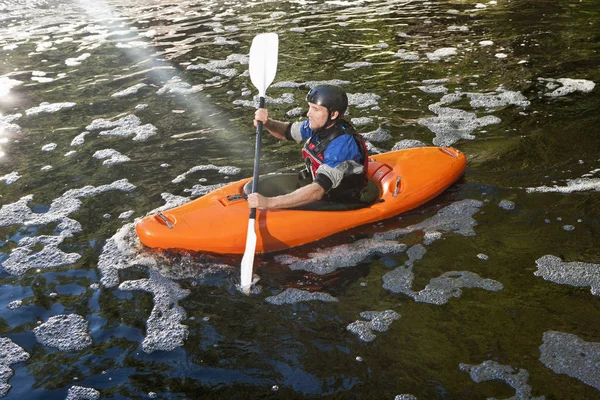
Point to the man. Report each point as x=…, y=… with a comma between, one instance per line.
x=334, y=153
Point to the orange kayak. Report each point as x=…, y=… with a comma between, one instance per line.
x=218, y=221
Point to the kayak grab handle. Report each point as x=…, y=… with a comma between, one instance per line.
x=397, y=189
x=450, y=153
x=165, y=219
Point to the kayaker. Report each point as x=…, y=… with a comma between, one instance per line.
x=334, y=153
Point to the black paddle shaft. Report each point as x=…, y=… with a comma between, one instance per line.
x=259, y=125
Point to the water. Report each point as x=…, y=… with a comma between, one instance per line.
x=109, y=111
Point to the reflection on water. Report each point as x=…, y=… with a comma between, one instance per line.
x=113, y=110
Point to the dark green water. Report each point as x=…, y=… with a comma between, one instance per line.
x=174, y=326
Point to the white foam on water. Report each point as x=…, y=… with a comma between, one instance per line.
x=433, y=89
x=222, y=41
x=377, y=321
x=489, y=370
x=285, y=98
x=201, y=190
x=46, y=168
x=486, y=43
x=405, y=396
x=73, y=62
x=329, y=260
x=225, y=170
x=442, y=54
x=11, y=178
x=49, y=108
x=363, y=100
x=49, y=147
x=506, y=205
x=126, y=214
x=164, y=330
x=406, y=55
x=293, y=296
x=298, y=30
x=378, y=135
x=10, y=353
x=129, y=125
x=110, y=157
x=452, y=125
x=13, y=305
x=455, y=28
x=455, y=218
x=568, y=86
x=129, y=91
x=176, y=86
x=6, y=125
x=358, y=64
x=66, y=332
x=25, y=257
x=408, y=144
x=574, y=185
x=6, y=84
x=439, y=290
x=295, y=112
x=82, y=393
x=575, y=273
x=565, y=353
x=361, y=121
x=79, y=139
x=222, y=66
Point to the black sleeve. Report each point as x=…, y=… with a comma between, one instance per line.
x=324, y=182
x=288, y=132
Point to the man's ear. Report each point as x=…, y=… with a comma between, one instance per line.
x=334, y=115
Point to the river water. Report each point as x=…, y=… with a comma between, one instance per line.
x=110, y=110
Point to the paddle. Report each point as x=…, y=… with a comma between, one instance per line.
x=263, y=66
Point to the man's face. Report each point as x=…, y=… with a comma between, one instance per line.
x=317, y=115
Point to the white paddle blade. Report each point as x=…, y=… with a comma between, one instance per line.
x=263, y=60
x=248, y=259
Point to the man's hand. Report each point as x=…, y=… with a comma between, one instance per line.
x=262, y=114
x=259, y=201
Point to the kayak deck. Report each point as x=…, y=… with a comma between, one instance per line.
x=218, y=221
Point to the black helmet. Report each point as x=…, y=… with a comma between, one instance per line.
x=329, y=96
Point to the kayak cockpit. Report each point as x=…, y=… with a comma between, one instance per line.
x=279, y=184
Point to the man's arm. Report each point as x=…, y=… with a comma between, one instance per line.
x=299, y=197
x=275, y=128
